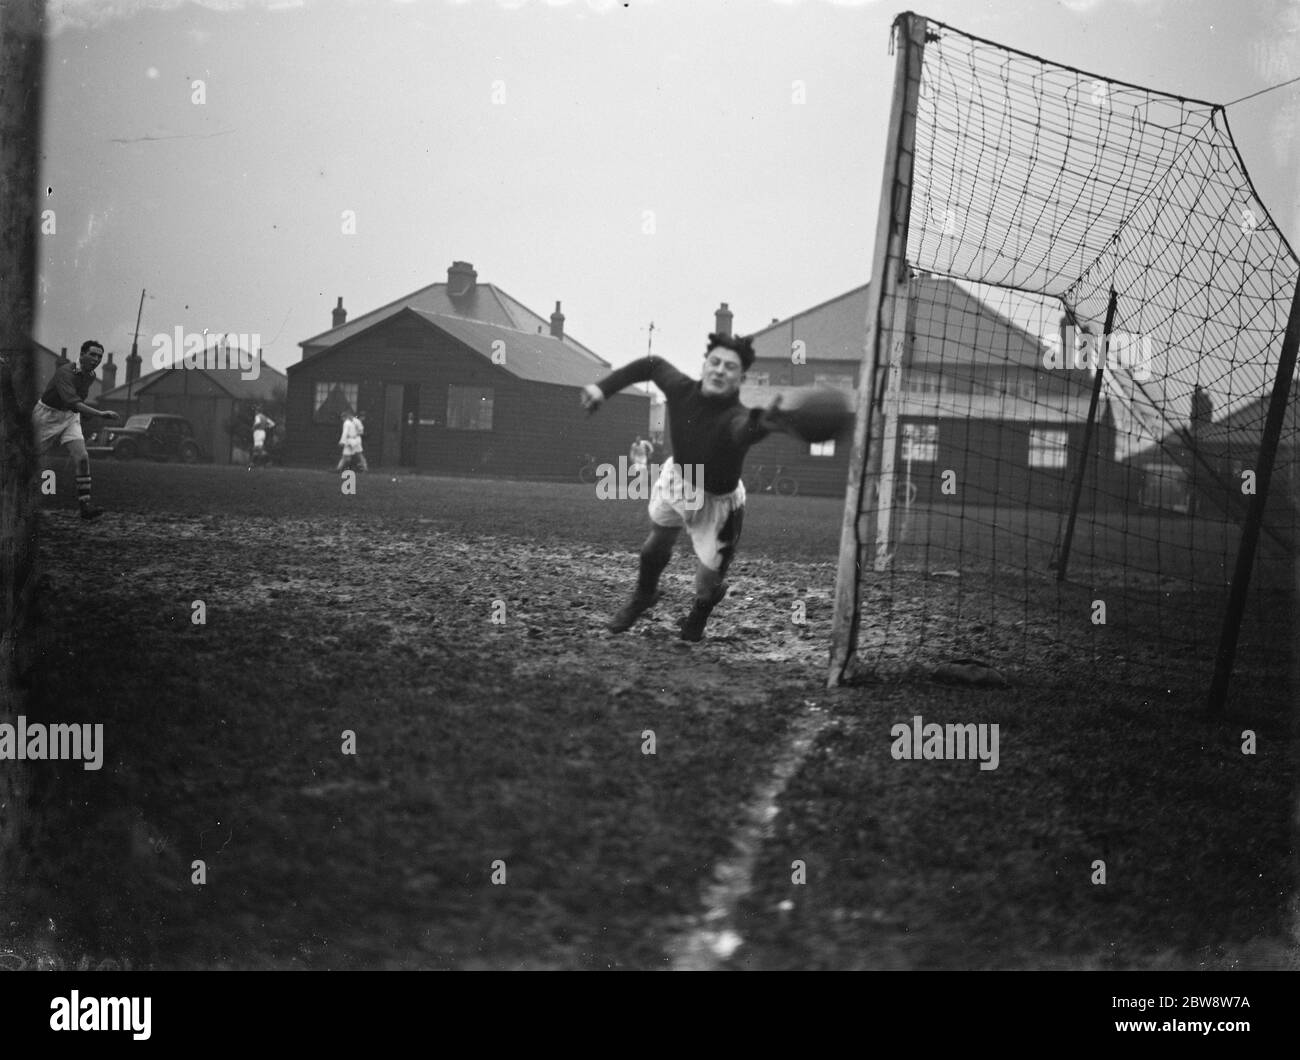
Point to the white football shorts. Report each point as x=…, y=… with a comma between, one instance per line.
x=55, y=428
x=713, y=520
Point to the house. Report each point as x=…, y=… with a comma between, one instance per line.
x=214, y=400
x=458, y=378
x=1200, y=468
x=977, y=398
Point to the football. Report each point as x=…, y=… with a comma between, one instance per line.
x=817, y=413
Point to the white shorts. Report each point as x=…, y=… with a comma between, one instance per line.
x=713, y=520
x=55, y=428
x=259, y=438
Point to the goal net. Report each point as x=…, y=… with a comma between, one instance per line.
x=1079, y=306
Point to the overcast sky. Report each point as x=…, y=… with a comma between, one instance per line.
x=640, y=161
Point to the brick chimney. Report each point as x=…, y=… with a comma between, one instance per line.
x=557, y=322
x=108, y=371
x=1202, y=410
x=461, y=279
x=722, y=320
x=133, y=362
x=340, y=314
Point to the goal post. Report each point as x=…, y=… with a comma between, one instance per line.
x=21, y=60
x=885, y=330
x=1277, y=408
x=1088, y=496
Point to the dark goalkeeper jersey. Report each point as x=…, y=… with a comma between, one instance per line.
x=711, y=431
x=68, y=385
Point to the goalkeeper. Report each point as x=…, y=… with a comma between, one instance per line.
x=710, y=429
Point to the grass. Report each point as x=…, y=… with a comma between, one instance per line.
x=521, y=742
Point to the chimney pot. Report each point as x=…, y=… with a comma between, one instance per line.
x=557, y=322
x=109, y=370
x=133, y=362
x=461, y=279
x=722, y=320
x=340, y=315
x=1202, y=409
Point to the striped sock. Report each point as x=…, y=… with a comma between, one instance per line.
x=83, y=490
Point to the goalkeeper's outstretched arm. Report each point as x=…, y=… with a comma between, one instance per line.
x=643, y=370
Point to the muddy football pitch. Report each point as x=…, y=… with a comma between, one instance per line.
x=388, y=729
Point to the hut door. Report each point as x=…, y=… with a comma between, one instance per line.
x=410, y=423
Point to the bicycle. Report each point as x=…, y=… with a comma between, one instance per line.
x=761, y=481
x=588, y=470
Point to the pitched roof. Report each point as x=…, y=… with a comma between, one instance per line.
x=1242, y=428
x=538, y=358
x=486, y=304
x=968, y=331
x=835, y=330
x=1245, y=426
x=227, y=379
x=972, y=332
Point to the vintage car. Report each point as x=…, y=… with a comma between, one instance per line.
x=156, y=435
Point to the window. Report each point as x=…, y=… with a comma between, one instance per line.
x=835, y=382
x=1026, y=388
x=921, y=384
x=330, y=400
x=921, y=442
x=1048, y=448
x=469, y=408
x=760, y=379
x=822, y=448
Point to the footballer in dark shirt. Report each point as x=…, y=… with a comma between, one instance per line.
x=57, y=417
x=699, y=488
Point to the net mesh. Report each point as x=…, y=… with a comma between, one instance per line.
x=1032, y=524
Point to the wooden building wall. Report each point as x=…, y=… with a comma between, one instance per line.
x=991, y=461
x=198, y=399
x=818, y=476
x=403, y=371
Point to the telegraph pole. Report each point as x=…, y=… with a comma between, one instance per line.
x=134, y=360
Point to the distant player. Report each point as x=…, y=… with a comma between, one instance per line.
x=261, y=424
x=350, y=443
x=640, y=453
x=707, y=426
x=57, y=417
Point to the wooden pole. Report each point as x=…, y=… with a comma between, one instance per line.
x=900, y=354
x=1062, y=561
x=884, y=321
x=1277, y=406
x=21, y=61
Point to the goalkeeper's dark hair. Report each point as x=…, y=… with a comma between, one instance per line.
x=741, y=345
x=85, y=346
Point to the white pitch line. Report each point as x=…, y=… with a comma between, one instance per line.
x=711, y=937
